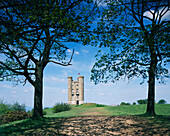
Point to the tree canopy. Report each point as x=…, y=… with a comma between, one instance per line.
x=162, y=101
x=30, y=29
x=136, y=32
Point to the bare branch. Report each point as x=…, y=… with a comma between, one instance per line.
x=9, y=68
x=137, y=62
x=64, y=64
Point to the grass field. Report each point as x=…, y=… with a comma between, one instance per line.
x=95, y=109
x=53, y=121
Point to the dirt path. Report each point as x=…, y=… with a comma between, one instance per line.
x=100, y=126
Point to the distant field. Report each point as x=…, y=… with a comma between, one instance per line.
x=96, y=109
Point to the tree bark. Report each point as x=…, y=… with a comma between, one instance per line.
x=38, y=94
x=151, y=84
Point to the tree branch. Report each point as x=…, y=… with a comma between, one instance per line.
x=62, y=64
x=9, y=68
x=134, y=61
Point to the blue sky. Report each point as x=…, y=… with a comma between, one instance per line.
x=55, y=84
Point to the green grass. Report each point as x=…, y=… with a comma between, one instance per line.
x=127, y=110
x=162, y=109
x=52, y=120
x=82, y=110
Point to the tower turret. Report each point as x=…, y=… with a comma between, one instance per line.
x=69, y=90
x=81, y=89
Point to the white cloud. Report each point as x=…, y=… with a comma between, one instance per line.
x=54, y=79
x=110, y=94
x=6, y=86
x=101, y=93
x=149, y=14
x=85, y=51
x=69, y=50
x=51, y=89
x=64, y=91
x=101, y=3
x=76, y=52
x=14, y=96
x=25, y=91
x=13, y=92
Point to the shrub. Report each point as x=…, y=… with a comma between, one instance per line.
x=4, y=107
x=59, y=107
x=100, y=105
x=17, y=107
x=142, y=101
x=123, y=103
x=134, y=103
x=46, y=108
x=13, y=116
x=162, y=101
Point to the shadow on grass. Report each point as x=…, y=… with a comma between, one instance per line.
x=166, y=117
x=45, y=126
x=129, y=125
x=157, y=119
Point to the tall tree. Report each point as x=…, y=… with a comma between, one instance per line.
x=137, y=34
x=33, y=34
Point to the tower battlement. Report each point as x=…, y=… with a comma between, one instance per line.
x=76, y=90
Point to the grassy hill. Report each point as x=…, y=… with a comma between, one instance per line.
x=97, y=109
x=54, y=125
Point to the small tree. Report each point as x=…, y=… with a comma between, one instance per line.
x=162, y=101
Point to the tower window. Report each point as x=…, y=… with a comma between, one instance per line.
x=77, y=96
x=72, y=97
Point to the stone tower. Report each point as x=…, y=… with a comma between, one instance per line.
x=76, y=90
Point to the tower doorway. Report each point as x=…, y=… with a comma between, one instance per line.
x=77, y=103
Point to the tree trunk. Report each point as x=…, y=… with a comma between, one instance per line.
x=151, y=84
x=38, y=94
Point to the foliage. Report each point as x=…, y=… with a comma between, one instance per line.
x=34, y=34
x=134, y=103
x=162, y=101
x=46, y=108
x=137, y=35
x=123, y=103
x=18, y=107
x=100, y=105
x=142, y=101
x=129, y=41
x=13, y=116
x=32, y=29
x=59, y=107
x=5, y=107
